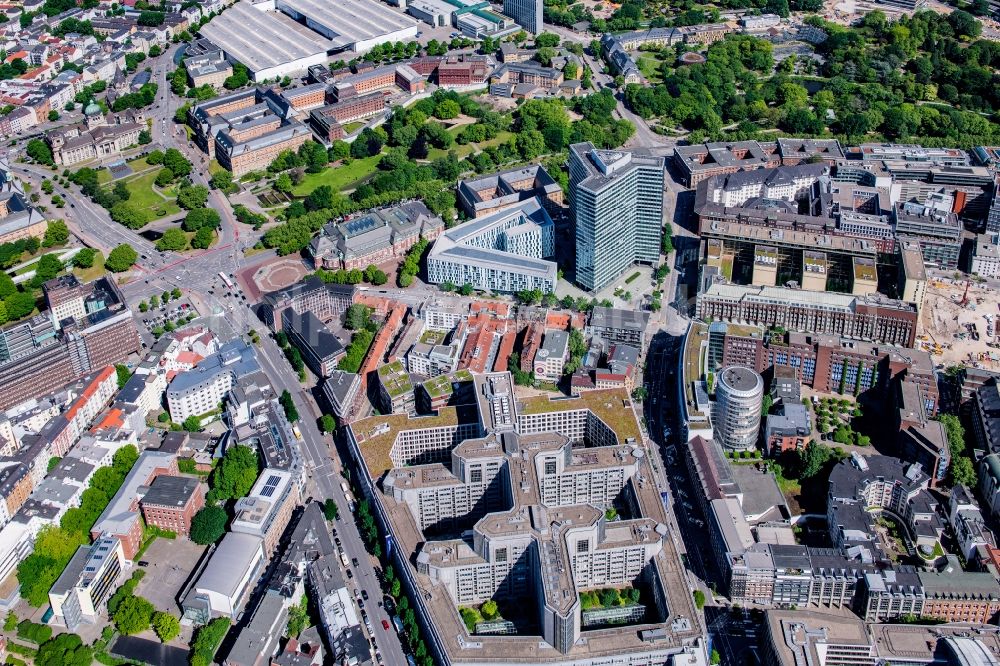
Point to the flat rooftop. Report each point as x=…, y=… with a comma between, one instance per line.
x=261, y=40
x=352, y=21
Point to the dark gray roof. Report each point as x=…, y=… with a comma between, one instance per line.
x=172, y=491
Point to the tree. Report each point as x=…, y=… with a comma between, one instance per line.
x=64, y=650
x=813, y=458
x=145, y=137
x=330, y=510
x=956, y=434
x=447, y=109
x=84, y=258
x=173, y=239
x=639, y=393
x=121, y=259
x=547, y=40
x=39, y=151
x=235, y=475
x=201, y=218
x=203, y=238
x=192, y=424
x=286, y=401
x=327, y=423
x=964, y=24
x=489, y=609
x=699, y=599
x=716, y=657
x=133, y=615
x=164, y=177
x=545, y=55
x=298, y=617
x=166, y=626
x=128, y=215
x=56, y=233
x=123, y=374
x=194, y=196
x=963, y=473
x=47, y=268
x=223, y=180
x=174, y=160
x=208, y=525
x=357, y=316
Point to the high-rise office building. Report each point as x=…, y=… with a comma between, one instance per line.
x=617, y=199
x=526, y=13
x=738, y=396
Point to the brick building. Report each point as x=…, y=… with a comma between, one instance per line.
x=171, y=502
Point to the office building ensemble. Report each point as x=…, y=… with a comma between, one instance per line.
x=871, y=318
x=92, y=575
x=325, y=301
x=246, y=130
x=320, y=348
x=85, y=328
x=484, y=195
x=203, y=388
x=507, y=502
x=505, y=251
x=617, y=201
x=736, y=418
x=374, y=237
x=526, y=13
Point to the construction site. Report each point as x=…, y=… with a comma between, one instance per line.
x=958, y=323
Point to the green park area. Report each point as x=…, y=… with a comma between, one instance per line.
x=339, y=177
x=143, y=192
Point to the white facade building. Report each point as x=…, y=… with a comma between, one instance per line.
x=736, y=417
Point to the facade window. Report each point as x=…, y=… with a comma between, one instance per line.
x=583, y=546
x=476, y=476
x=500, y=554
x=550, y=466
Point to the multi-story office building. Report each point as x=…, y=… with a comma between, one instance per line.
x=614, y=325
x=203, y=388
x=526, y=13
x=504, y=251
x=484, y=195
x=873, y=318
x=934, y=227
x=265, y=512
x=830, y=638
x=552, y=355
x=617, y=201
x=79, y=594
x=171, y=502
x=375, y=237
x=243, y=131
x=395, y=389
x=532, y=507
x=340, y=390
x=210, y=68
x=326, y=301
x=736, y=418
x=831, y=364
x=321, y=349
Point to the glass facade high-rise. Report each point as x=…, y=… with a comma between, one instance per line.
x=617, y=201
x=526, y=13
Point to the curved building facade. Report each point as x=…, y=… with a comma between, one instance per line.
x=738, y=395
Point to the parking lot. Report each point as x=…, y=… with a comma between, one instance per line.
x=169, y=565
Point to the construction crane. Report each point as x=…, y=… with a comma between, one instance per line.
x=965, y=297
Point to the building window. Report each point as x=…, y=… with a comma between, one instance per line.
x=550, y=466
x=477, y=476
x=500, y=554
x=583, y=546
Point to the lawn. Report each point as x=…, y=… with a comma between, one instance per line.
x=351, y=128
x=145, y=198
x=340, y=177
x=650, y=68
x=92, y=273
x=34, y=262
x=469, y=148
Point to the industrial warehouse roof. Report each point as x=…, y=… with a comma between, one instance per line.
x=261, y=40
x=230, y=562
x=353, y=21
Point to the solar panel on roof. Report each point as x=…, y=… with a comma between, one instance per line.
x=269, y=486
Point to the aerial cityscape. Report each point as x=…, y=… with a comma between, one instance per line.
x=480, y=332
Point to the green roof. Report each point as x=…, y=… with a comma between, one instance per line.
x=395, y=379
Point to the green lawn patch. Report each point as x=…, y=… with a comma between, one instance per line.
x=92, y=273
x=469, y=148
x=351, y=128
x=338, y=177
x=144, y=197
